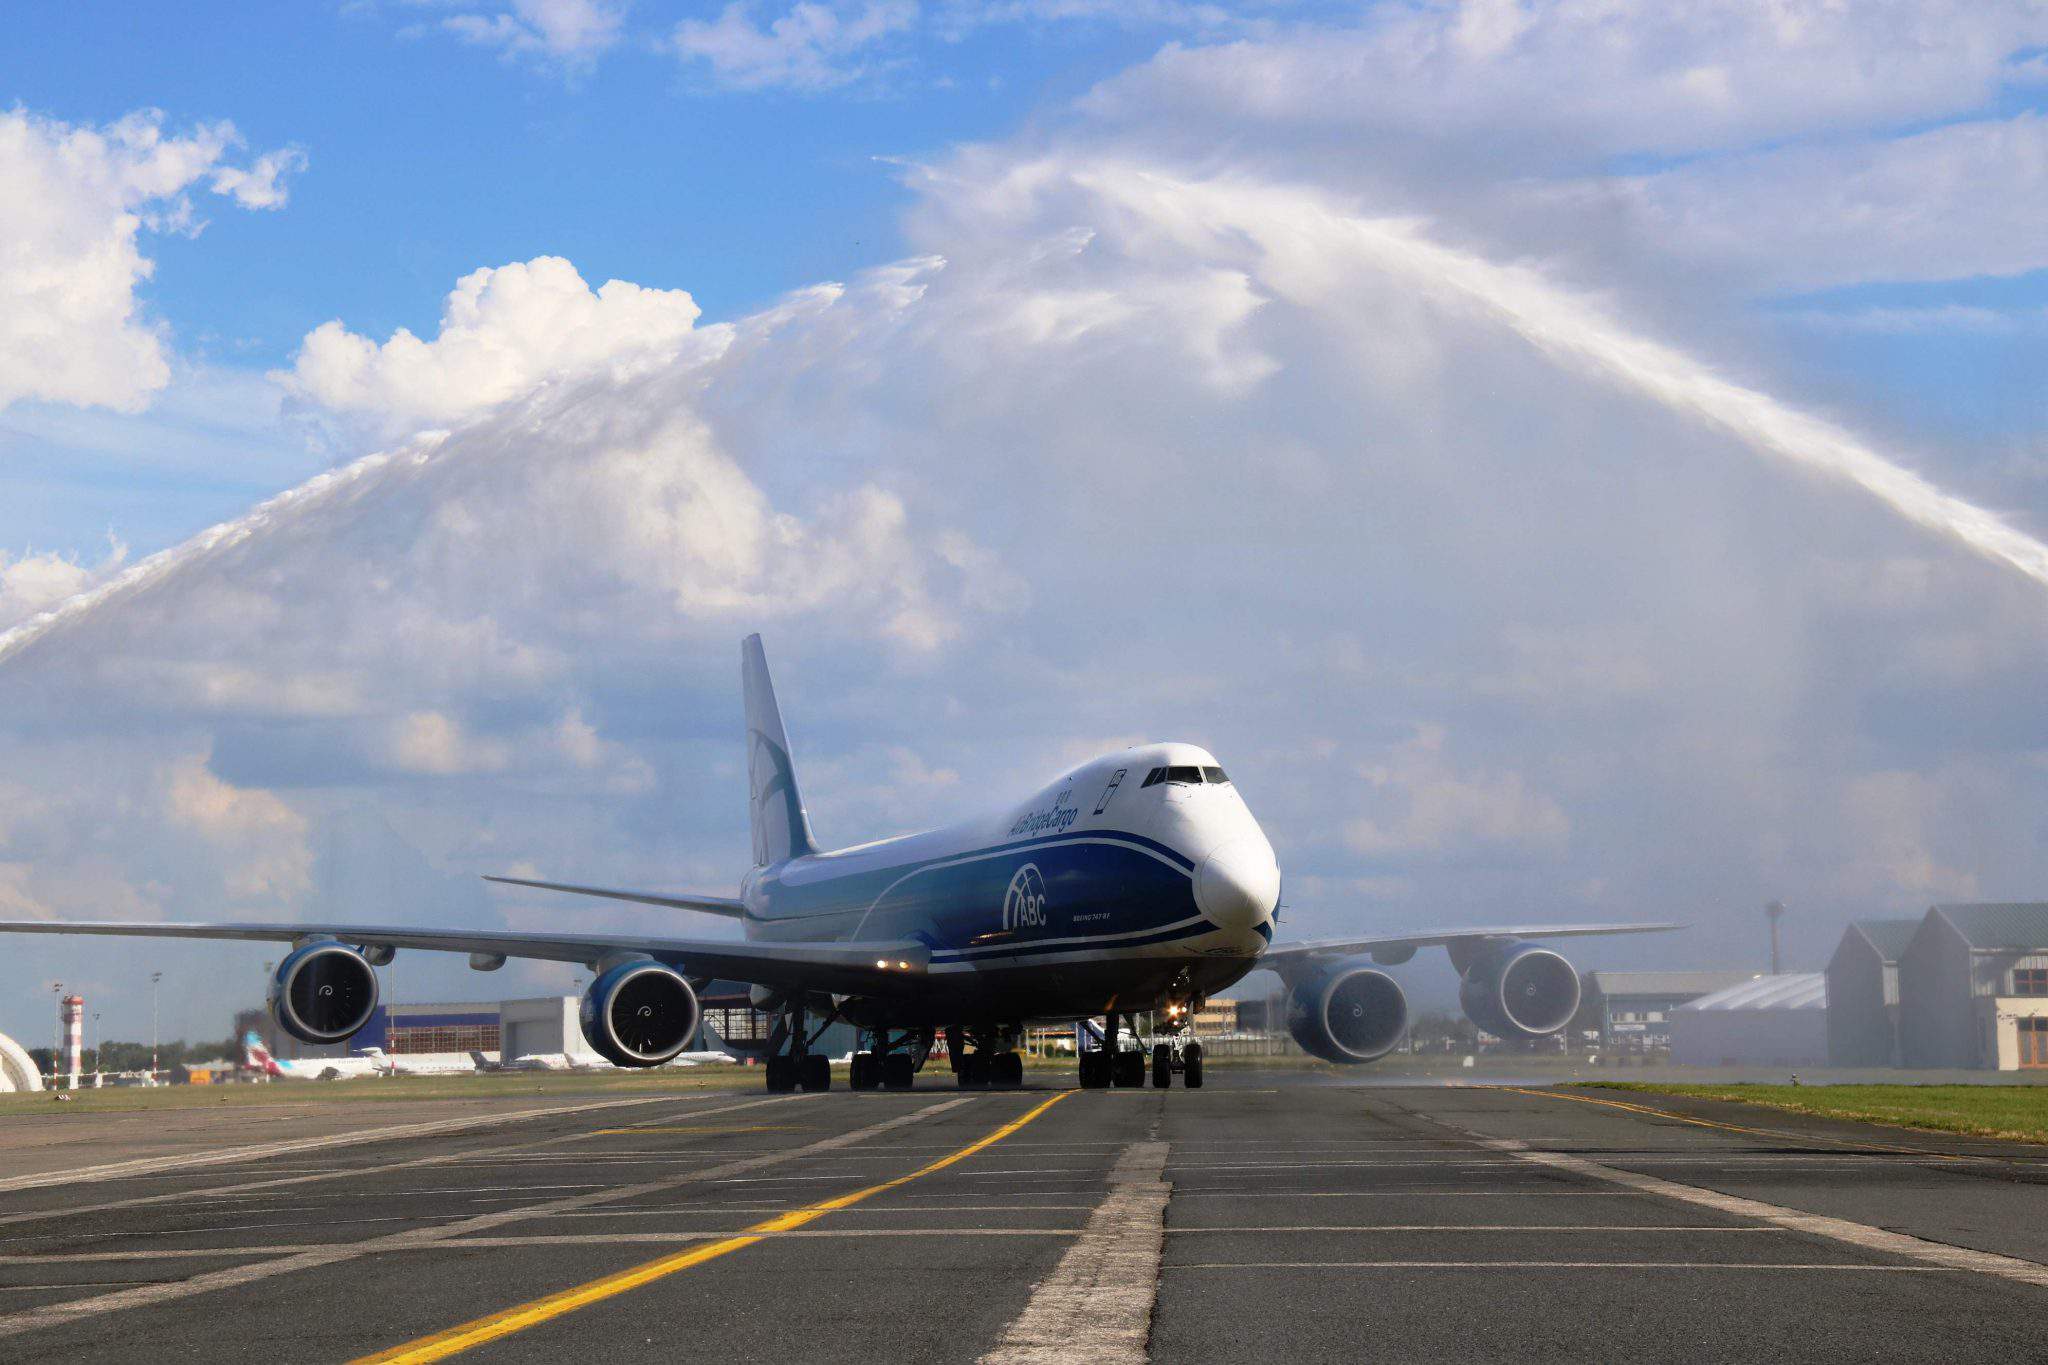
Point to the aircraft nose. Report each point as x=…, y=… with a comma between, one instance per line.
x=1238, y=884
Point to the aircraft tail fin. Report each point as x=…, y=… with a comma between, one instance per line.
x=775, y=808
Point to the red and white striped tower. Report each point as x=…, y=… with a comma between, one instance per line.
x=74, y=1038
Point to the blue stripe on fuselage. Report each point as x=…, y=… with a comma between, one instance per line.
x=1101, y=886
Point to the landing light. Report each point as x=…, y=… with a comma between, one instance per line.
x=883, y=963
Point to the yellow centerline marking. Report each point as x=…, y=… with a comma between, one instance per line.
x=1729, y=1127
x=504, y=1323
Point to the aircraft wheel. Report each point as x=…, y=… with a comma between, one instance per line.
x=1130, y=1069
x=814, y=1071
x=1162, y=1065
x=1092, y=1071
x=1191, y=1066
x=974, y=1071
x=781, y=1075
x=1006, y=1069
x=865, y=1073
x=897, y=1071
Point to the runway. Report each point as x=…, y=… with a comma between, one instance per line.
x=1271, y=1215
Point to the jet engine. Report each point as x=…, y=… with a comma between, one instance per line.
x=1347, y=1013
x=1518, y=990
x=323, y=992
x=640, y=1013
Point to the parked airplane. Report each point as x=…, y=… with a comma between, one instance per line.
x=370, y=1061
x=1138, y=881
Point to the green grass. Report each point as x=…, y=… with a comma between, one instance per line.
x=2014, y=1112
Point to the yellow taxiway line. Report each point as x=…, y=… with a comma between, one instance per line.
x=504, y=1323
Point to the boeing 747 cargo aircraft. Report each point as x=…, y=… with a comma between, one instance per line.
x=1137, y=882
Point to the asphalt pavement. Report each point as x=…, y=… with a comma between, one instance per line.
x=1267, y=1214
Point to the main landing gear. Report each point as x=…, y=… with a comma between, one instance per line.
x=884, y=1066
x=994, y=1062
x=799, y=1068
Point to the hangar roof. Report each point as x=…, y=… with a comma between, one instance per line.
x=2008, y=924
x=1786, y=991
x=1666, y=983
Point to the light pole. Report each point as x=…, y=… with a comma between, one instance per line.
x=154, y=979
x=1774, y=912
x=57, y=989
x=97, y=1068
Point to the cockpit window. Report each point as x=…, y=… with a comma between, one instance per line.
x=1214, y=775
x=1180, y=774
x=1154, y=778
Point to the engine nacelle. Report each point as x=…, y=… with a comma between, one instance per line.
x=323, y=993
x=1347, y=1013
x=640, y=1013
x=1518, y=990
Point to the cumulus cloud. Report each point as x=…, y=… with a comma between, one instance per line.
x=504, y=330
x=32, y=583
x=78, y=199
x=262, y=837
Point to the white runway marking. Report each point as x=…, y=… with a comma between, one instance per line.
x=50, y=1315
x=155, y=1165
x=1482, y=1227
x=1096, y=1306
x=1849, y=1267
x=1935, y=1255
x=316, y=1174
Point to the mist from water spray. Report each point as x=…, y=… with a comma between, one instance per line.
x=320, y=491
x=1303, y=237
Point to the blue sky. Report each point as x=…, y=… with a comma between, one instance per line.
x=1347, y=388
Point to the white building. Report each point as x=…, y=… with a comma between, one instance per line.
x=1766, y=1021
x=1973, y=988
x=17, y=1072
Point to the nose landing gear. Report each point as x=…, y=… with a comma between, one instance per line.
x=1176, y=1052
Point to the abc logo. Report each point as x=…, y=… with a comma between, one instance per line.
x=1024, y=902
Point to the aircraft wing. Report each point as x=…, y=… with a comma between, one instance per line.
x=1399, y=947
x=728, y=906
x=869, y=967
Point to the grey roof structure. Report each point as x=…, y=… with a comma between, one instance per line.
x=2007, y=924
x=1667, y=983
x=1889, y=936
x=1785, y=991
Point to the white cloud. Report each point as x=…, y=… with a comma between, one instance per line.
x=503, y=332
x=1956, y=201
x=1426, y=806
x=811, y=46
x=263, y=838
x=31, y=583
x=573, y=32
x=77, y=200
x=433, y=744
x=261, y=184
x=1548, y=84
